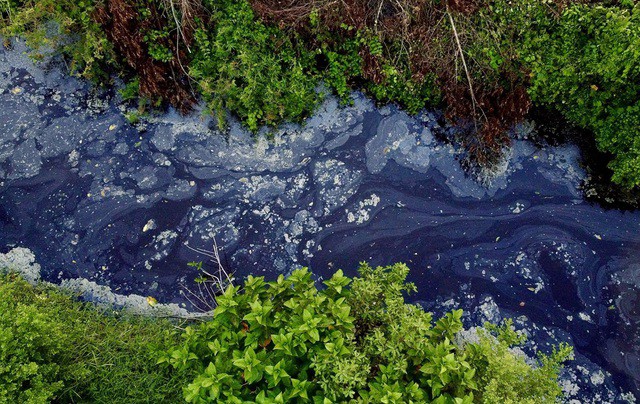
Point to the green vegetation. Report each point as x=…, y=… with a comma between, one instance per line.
x=485, y=61
x=251, y=69
x=66, y=27
x=355, y=340
x=588, y=67
x=53, y=347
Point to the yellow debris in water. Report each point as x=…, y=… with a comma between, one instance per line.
x=112, y=127
x=152, y=300
x=16, y=90
x=150, y=225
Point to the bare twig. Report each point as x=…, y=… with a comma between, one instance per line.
x=466, y=69
x=211, y=283
x=375, y=25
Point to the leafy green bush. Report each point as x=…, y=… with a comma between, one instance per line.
x=355, y=340
x=344, y=65
x=268, y=342
x=157, y=51
x=251, y=69
x=30, y=348
x=64, y=26
x=53, y=347
x=588, y=67
x=346, y=68
x=583, y=61
x=401, y=88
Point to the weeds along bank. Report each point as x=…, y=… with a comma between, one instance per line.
x=54, y=348
x=486, y=61
x=354, y=340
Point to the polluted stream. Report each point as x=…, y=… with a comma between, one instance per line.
x=100, y=202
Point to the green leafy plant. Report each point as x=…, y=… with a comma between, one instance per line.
x=355, y=340
x=131, y=90
x=251, y=69
x=588, y=67
x=66, y=27
x=582, y=60
x=158, y=51
x=31, y=346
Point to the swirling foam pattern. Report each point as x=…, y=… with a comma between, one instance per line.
x=95, y=198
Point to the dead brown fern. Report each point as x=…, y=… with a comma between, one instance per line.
x=166, y=81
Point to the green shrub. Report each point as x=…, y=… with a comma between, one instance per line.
x=30, y=347
x=587, y=65
x=53, y=347
x=354, y=340
x=157, y=51
x=401, y=88
x=344, y=65
x=64, y=26
x=251, y=69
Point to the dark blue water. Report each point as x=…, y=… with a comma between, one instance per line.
x=94, y=197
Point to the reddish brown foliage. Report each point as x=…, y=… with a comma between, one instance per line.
x=285, y=13
x=371, y=66
x=464, y=6
x=332, y=14
x=497, y=109
x=126, y=30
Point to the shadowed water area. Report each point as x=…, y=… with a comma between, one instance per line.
x=93, y=197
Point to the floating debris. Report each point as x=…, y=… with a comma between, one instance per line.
x=150, y=225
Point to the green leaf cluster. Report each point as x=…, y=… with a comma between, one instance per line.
x=251, y=69
x=345, y=68
x=262, y=339
x=157, y=51
x=353, y=340
x=29, y=345
x=584, y=61
x=588, y=67
x=62, y=26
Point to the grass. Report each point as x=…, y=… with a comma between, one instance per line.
x=56, y=348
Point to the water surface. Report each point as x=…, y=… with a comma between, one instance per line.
x=93, y=197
